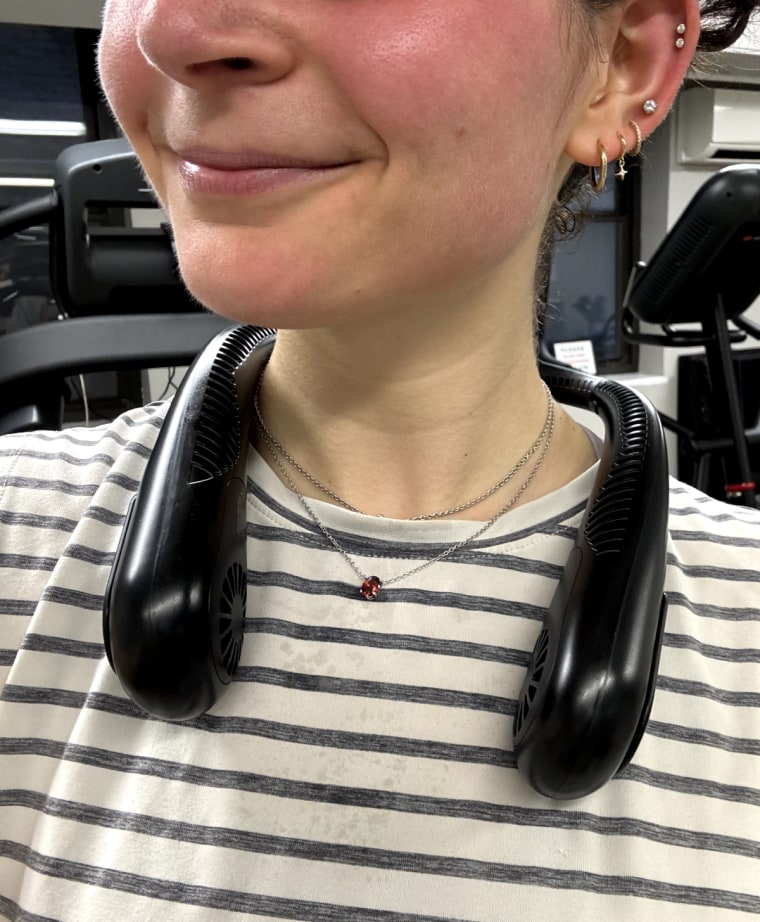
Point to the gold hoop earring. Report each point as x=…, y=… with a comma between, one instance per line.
x=637, y=149
x=598, y=174
x=622, y=172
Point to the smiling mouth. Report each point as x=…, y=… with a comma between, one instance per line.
x=249, y=174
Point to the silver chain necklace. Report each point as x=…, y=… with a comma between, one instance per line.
x=444, y=513
x=371, y=585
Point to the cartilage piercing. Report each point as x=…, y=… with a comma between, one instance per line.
x=680, y=31
x=637, y=149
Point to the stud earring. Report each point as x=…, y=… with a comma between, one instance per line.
x=598, y=174
x=680, y=31
x=637, y=149
x=622, y=172
x=650, y=107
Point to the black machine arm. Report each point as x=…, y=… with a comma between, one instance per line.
x=705, y=272
x=175, y=603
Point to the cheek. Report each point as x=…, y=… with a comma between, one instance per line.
x=474, y=133
x=116, y=39
x=456, y=64
x=127, y=80
x=465, y=98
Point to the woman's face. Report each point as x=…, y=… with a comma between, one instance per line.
x=321, y=160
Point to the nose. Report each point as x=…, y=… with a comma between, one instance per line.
x=197, y=41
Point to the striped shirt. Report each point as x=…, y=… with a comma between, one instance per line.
x=361, y=766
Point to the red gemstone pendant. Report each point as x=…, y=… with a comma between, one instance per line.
x=371, y=587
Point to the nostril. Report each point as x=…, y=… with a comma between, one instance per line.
x=237, y=63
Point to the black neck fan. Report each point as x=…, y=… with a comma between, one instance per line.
x=176, y=599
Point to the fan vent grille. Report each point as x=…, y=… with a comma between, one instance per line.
x=232, y=603
x=535, y=675
x=217, y=439
x=606, y=528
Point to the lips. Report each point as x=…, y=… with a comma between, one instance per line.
x=246, y=172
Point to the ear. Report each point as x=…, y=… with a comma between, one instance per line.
x=644, y=61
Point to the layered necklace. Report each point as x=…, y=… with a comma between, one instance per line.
x=370, y=586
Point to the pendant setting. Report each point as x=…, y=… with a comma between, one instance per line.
x=370, y=588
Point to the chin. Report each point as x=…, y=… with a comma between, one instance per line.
x=282, y=287
x=279, y=303
x=251, y=284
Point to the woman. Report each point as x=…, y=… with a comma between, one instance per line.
x=373, y=178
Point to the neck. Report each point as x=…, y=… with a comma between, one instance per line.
x=404, y=419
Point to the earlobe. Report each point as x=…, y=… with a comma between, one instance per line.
x=646, y=63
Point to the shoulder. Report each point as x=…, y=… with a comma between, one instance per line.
x=713, y=590
x=63, y=497
x=60, y=472
x=714, y=550
x=50, y=482
x=719, y=538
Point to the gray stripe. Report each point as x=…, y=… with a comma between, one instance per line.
x=121, y=480
x=718, y=612
x=698, y=737
x=63, y=646
x=59, y=486
x=356, y=856
x=26, y=519
x=105, y=516
x=690, y=785
x=88, y=600
x=27, y=562
x=703, y=690
x=325, y=684
x=195, y=895
x=694, y=571
x=343, y=590
x=728, y=654
x=89, y=555
x=21, y=607
x=375, y=640
x=331, y=685
x=713, y=540
x=101, y=457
